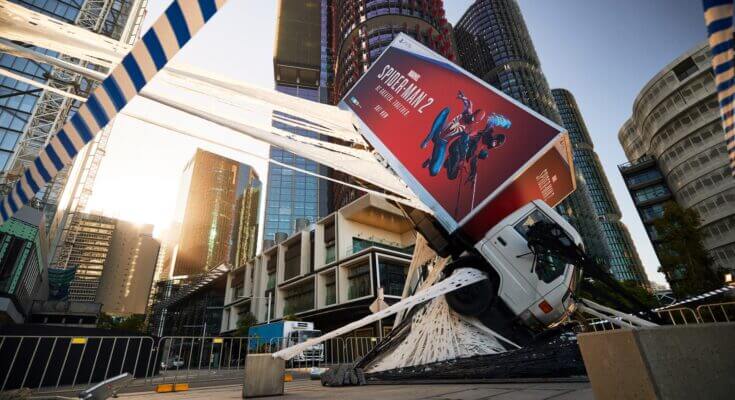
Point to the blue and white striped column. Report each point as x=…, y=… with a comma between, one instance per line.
x=718, y=16
x=181, y=20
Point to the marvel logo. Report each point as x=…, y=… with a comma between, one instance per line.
x=414, y=75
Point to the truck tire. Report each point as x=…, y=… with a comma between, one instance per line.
x=474, y=299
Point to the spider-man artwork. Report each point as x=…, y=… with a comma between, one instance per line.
x=460, y=143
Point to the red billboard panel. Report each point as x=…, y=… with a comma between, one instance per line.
x=468, y=151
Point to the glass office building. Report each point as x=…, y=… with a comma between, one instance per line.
x=295, y=199
x=493, y=43
x=624, y=263
x=217, y=212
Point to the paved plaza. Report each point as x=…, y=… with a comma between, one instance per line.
x=303, y=389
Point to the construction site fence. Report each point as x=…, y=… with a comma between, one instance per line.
x=52, y=364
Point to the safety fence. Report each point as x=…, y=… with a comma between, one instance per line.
x=48, y=364
x=706, y=313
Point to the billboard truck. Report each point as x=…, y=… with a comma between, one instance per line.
x=282, y=334
x=487, y=167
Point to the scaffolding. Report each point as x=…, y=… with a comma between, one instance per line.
x=64, y=224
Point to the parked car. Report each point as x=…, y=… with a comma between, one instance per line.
x=175, y=362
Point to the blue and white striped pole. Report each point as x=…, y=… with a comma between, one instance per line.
x=718, y=16
x=178, y=24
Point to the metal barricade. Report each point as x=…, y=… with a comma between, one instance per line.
x=196, y=358
x=63, y=363
x=718, y=312
x=48, y=364
x=679, y=316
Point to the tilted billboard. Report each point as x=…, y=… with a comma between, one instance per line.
x=468, y=151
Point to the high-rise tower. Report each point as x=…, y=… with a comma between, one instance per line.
x=493, y=43
x=295, y=199
x=625, y=265
x=216, y=216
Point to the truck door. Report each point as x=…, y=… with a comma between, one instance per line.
x=545, y=274
x=514, y=267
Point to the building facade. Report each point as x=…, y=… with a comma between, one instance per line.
x=328, y=274
x=294, y=198
x=676, y=122
x=113, y=262
x=128, y=273
x=624, y=263
x=88, y=256
x=493, y=43
x=216, y=219
x=23, y=266
x=191, y=307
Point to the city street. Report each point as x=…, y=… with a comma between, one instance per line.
x=314, y=390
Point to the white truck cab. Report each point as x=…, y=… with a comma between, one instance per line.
x=536, y=289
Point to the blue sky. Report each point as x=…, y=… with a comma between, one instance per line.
x=602, y=51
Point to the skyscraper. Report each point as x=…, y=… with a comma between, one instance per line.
x=128, y=272
x=360, y=31
x=295, y=198
x=676, y=148
x=113, y=262
x=625, y=265
x=493, y=43
x=88, y=255
x=214, y=229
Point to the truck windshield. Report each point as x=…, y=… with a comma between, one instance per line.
x=523, y=226
x=306, y=335
x=549, y=267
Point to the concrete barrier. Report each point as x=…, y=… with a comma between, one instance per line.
x=668, y=362
x=263, y=376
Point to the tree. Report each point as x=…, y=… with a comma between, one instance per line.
x=244, y=324
x=291, y=317
x=619, y=299
x=681, y=251
x=133, y=324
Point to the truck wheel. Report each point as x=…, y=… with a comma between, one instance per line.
x=472, y=300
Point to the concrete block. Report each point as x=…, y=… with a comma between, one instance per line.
x=263, y=376
x=667, y=362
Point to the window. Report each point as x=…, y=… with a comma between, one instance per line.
x=650, y=193
x=536, y=216
x=292, y=261
x=358, y=281
x=549, y=267
x=392, y=277
x=685, y=69
x=299, y=298
x=645, y=176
